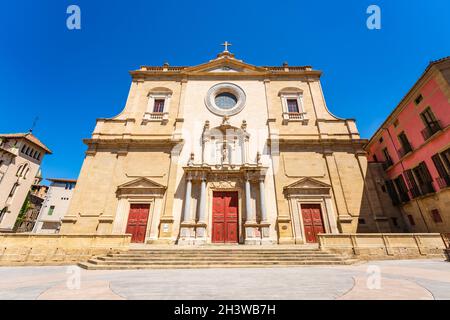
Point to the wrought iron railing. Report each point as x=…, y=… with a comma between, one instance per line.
x=404, y=150
x=427, y=188
x=443, y=182
x=415, y=192
x=387, y=164
x=431, y=129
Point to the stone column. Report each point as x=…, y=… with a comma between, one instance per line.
x=262, y=198
x=187, y=201
x=200, y=230
x=187, y=232
x=250, y=217
x=250, y=223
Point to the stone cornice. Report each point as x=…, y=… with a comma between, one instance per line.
x=324, y=142
x=130, y=141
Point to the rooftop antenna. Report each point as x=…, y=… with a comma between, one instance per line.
x=34, y=124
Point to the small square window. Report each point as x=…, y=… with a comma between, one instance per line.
x=50, y=210
x=361, y=221
x=394, y=222
x=436, y=216
x=418, y=99
x=381, y=140
x=396, y=122
x=411, y=220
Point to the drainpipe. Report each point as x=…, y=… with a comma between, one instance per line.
x=403, y=171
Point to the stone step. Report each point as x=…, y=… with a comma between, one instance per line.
x=218, y=257
x=90, y=266
x=108, y=260
x=206, y=261
x=212, y=255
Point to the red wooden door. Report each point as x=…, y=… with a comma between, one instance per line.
x=137, y=222
x=225, y=217
x=312, y=221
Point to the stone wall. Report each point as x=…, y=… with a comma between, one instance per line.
x=377, y=246
x=57, y=249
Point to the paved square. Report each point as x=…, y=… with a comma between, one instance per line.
x=406, y=279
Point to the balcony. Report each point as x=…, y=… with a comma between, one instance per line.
x=431, y=129
x=405, y=150
x=156, y=116
x=295, y=116
x=387, y=164
x=415, y=192
x=404, y=197
x=427, y=188
x=443, y=182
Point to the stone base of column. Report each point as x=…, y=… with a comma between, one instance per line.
x=252, y=233
x=200, y=233
x=187, y=233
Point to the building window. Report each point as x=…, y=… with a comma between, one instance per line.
x=381, y=140
x=50, y=210
x=401, y=188
x=361, y=221
x=2, y=213
x=418, y=99
x=13, y=190
x=423, y=178
x=406, y=146
x=413, y=187
x=444, y=178
x=387, y=159
x=411, y=220
x=396, y=122
x=436, y=216
x=158, y=106
x=23, y=148
x=392, y=192
x=431, y=124
x=292, y=105
x=394, y=222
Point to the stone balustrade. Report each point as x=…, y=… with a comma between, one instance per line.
x=57, y=249
x=373, y=246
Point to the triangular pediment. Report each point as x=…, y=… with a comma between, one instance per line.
x=141, y=183
x=308, y=183
x=224, y=64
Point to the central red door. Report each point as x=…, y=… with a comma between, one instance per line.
x=225, y=217
x=137, y=222
x=312, y=221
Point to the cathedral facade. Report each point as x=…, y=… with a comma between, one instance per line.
x=226, y=152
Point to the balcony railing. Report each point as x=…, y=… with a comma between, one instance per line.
x=443, y=182
x=156, y=116
x=427, y=188
x=404, y=151
x=431, y=129
x=387, y=164
x=404, y=197
x=415, y=192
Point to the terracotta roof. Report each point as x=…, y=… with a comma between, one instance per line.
x=62, y=180
x=28, y=136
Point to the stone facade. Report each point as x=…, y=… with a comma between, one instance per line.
x=21, y=155
x=260, y=136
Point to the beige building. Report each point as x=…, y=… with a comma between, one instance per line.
x=21, y=155
x=226, y=152
x=55, y=205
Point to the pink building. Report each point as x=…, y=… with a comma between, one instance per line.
x=413, y=146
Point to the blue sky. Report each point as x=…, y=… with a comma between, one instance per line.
x=70, y=78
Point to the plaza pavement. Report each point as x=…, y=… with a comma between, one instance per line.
x=405, y=279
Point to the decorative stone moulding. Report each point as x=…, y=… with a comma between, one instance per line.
x=225, y=88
